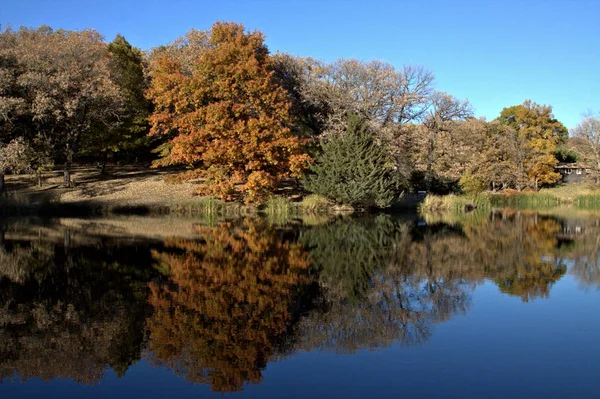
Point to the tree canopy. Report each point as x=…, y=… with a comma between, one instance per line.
x=60, y=86
x=230, y=119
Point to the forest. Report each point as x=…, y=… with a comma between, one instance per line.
x=224, y=110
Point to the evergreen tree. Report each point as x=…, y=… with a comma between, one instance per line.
x=353, y=169
x=130, y=134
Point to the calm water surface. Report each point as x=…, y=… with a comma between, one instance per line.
x=499, y=305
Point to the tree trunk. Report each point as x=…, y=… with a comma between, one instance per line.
x=1, y=183
x=104, y=162
x=67, y=174
x=536, y=184
x=68, y=164
x=39, y=178
x=429, y=170
x=2, y=248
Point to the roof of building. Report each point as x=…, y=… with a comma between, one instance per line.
x=565, y=165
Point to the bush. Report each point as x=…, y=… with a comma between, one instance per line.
x=472, y=184
x=353, y=169
x=278, y=205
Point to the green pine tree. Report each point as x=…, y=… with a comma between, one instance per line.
x=131, y=135
x=353, y=169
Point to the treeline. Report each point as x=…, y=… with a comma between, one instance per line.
x=242, y=119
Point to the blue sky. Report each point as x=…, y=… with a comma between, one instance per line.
x=495, y=53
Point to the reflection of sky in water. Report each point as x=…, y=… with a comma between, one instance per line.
x=500, y=346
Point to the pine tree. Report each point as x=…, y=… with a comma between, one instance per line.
x=130, y=134
x=353, y=169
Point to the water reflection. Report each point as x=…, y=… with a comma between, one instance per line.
x=220, y=304
x=69, y=312
x=229, y=299
x=370, y=295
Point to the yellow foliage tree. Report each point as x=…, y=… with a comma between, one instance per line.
x=542, y=133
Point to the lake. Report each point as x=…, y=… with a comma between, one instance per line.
x=485, y=305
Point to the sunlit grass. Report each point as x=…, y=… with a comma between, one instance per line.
x=451, y=202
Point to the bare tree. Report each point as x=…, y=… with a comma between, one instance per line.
x=443, y=111
x=587, y=135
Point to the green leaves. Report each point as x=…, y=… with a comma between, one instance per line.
x=353, y=169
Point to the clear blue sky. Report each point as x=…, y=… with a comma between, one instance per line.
x=495, y=53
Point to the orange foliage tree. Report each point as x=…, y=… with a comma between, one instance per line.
x=230, y=119
x=227, y=303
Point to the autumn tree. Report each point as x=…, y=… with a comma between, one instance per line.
x=298, y=76
x=455, y=152
x=63, y=87
x=436, y=131
x=543, y=133
x=230, y=119
x=378, y=92
x=15, y=157
x=498, y=160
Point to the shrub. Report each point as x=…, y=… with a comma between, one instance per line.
x=472, y=184
x=525, y=199
x=278, y=205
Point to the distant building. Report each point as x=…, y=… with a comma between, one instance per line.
x=572, y=172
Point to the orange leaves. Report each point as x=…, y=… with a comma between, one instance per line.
x=231, y=118
x=228, y=299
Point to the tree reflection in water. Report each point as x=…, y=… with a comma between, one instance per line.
x=229, y=300
x=69, y=312
x=219, y=306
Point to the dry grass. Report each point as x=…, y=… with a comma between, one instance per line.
x=569, y=192
x=137, y=190
x=451, y=202
x=124, y=186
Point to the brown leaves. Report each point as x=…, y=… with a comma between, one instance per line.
x=60, y=83
x=229, y=298
x=230, y=118
x=16, y=156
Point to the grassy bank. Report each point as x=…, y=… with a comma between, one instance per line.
x=131, y=190
x=23, y=205
x=454, y=203
x=526, y=200
x=581, y=195
x=278, y=208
